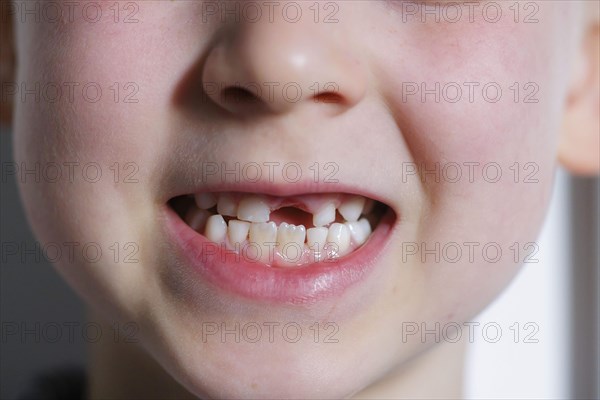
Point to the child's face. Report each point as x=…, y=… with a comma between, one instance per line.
x=154, y=135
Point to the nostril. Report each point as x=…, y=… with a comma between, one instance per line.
x=328, y=97
x=239, y=95
x=240, y=100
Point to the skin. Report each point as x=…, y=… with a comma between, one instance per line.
x=173, y=128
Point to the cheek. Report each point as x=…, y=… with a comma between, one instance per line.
x=114, y=84
x=479, y=107
x=103, y=134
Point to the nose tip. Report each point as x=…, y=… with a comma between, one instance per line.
x=260, y=68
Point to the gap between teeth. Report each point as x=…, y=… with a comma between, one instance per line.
x=249, y=226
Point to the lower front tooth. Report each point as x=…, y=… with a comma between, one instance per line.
x=315, y=240
x=216, y=228
x=290, y=241
x=264, y=235
x=359, y=230
x=238, y=231
x=339, y=237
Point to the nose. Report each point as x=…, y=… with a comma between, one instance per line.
x=278, y=67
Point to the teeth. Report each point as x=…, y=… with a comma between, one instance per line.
x=325, y=216
x=196, y=218
x=316, y=239
x=339, y=235
x=352, y=208
x=290, y=241
x=359, y=230
x=227, y=206
x=238, y=231
x=264, y=234
x=216, y=228
x=205, y=201
x=253, y=209
x=243, y=219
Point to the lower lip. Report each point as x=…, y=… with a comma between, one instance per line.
x=258, y=281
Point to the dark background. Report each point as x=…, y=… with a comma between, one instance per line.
x=31, y=292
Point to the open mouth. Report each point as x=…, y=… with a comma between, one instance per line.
x=293, y=249
x=282, y=232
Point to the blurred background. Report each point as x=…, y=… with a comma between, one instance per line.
x=546, y=348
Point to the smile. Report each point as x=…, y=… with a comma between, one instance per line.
x=291, y=249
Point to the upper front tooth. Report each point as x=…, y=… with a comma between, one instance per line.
x=359, y=230
x=325, y=215
x=352, y=208
x=339, y=235
x=227, y=205
x=205, y=201
x=216, y=228
x=253, y=209
x=288, y=235
x=238, y=231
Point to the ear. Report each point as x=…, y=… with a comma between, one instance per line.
x=579, y=144
x=7, y=65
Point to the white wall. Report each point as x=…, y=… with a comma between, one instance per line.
x=539, y=294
